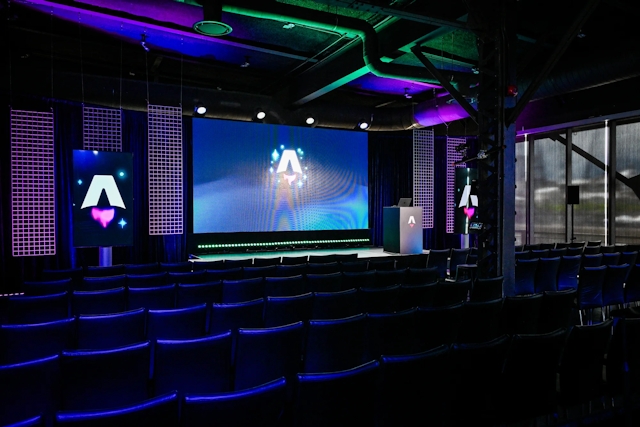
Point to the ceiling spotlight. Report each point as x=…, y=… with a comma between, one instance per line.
x=310, y=120
x=212, y=24
x=200, y=109
x=259, y=114
x=365, y=124
x=407, y=94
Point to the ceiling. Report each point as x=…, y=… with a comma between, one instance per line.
x=298, y=57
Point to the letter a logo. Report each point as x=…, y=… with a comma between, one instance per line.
x=412, y=221
x=106, y=183
x=289, y=157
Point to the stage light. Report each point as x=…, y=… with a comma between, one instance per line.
x=310, y=120
x=365, y=124
x=200, y=109
x=212, y=24
x=260, y=114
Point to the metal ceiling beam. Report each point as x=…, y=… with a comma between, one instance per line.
x=561, y=47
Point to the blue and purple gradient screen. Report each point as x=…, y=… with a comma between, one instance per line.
x=253, y=177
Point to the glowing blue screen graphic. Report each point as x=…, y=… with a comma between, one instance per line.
x=251, y=177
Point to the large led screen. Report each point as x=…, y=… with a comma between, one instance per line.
x=102, y=198
x=252, y=177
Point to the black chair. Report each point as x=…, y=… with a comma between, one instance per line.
x=36, y=421
x=157, y=298
x=323, y=268
x=288, y=271
x=160, y=410
x=378, y=300
x=629, y=258
x=293, y=260
x=486, y=289
x=436, y=326
x=577, y=244
x=261, y=272
x=557, y=252
x=451, y=292
x=386, y=263
x=476, y=371
x=623, y=357
x=101, y=283
x=632, y=286
x=362, y=279
x=242, y=290
x=528, y=388
x=21, y=343
x=458, y=256
x=265, y=262
x=99, y=302
x=262, y=405
x=522, y=255
x=284, y=286
x=385, y=278
x=612, y=258
x=592, y=260
x=37, y=309
x=331, y=282
x=594, y=242
x=480, y=321
x=539, y=253
x=200, y=365
x=335, y=344
x=235, y=273
x=353, y=266
x=439, y=258
x=46, y=287
x=187, y=277
x=609, y=249
x=177, y=324
x=546, y=278
x=344, y=257
x=562, y=245
x=280, y=311
x=237, y=263
x=103, y=271
x=590, y=289
x=75, y=274
x=266, y=354
x=231, y=317
x=531, y=246
x=323, y=259
x=149, y=280
x=390, y=333
x=195, y=294
x=103, y=331
x=568, y=272
x=415, y=387
x=334, y=305
x=176, y=267
x=417, y=276
x=581, y=366
x=613, y=285
x=525, y=276
x=557, y=309
x=522, y=313
x=208, y=265
x=101, y=379
x=30, y=389
x=137, y=269
x=591, y=250
x=422, y=295
x=574, y=250
x=345, y=397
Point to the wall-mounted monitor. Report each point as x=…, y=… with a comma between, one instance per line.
x=253, y=177
x=102, y=198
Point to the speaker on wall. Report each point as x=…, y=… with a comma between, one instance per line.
x=573, y=194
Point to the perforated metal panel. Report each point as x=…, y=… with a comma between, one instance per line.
x=102, y=129
x=423, y=174
x=33, y=202
x=452, y=156
x=165, y=170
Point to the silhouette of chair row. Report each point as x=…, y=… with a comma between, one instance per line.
x=606, y=285
x=546, y=274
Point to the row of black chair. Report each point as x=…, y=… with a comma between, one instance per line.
x=501, y=380
x=621, y=247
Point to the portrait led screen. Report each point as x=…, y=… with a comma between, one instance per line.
x=466, y=199
x=251, y=177
x=102, y=198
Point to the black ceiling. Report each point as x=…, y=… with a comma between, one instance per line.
x=290, y=58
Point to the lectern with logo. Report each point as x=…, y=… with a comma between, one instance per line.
x=402, y=230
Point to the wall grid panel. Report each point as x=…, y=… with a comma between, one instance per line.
x=166, y=197
x=423, y=173
x=452, y=156
x=102, y=129
x=33, y=203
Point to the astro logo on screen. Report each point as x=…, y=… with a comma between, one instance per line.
x=468, y=201
x=108, y=184
x=412, y=221
x=287, y=166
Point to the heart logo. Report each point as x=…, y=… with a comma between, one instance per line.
x=469, y=211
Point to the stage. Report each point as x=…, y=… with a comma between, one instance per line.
x=363, y=252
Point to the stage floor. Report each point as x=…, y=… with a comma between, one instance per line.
x=365, y=252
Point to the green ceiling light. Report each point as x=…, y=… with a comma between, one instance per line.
x=212, y=24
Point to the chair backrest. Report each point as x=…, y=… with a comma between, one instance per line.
x=402, y=375
x=20, y=343
x=263, y=262
x=451, y=292
x=568, y=272
x=331, y=282
x=612, y=258
x=525, y=276
x=486, y=289
x=359, y=279
x=284, y=286
x=156, y=298
x=591, y=250
x=439, y=258
x=242, y=290
x=458, y=256
x=189, y=277
x=623, y=357
x=438, y=325
x=266, y=354
x=75, y=274
x=574, y=250
x=235, y=263
x=103, y=379
x=323, y=259
x=30, y=389
x=46, y=287
x=37, y=309
x=280, y=311
x=176, y=267
x=334, y=344
x=189, y=295
x=353, y=266
x=231, y=409
x=582, y=362
x=385, y=278
x=628, y=257
x=378, y=300
x=288, y=271
x=160, y=410
x=208, y=265
x=417, y=276
x=522, y=255
x=147, y=268
x=225, y=317
x=590, y=287
x=546, y=278
x=382, y=263
x=557, y=309
x=235, y=273
x=632, y=286
x=334, y=305
x=201, y=365
x=562, y=245
x=98, y=302
x=613, y=285
x=102, y=271
x=149, y=280
x=594, y=260
x=330, y=398
x=101, y=283
x=390, y=333
x=177, y=324
x=480, y=321
x=522, y=313
x=293, y=260
x=262, y=272
x=102, y=331
x=323, y=267
x=422, y=295
x=557, y=252
x=607, y=249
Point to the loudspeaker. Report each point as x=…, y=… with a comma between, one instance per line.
x=573, y=194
